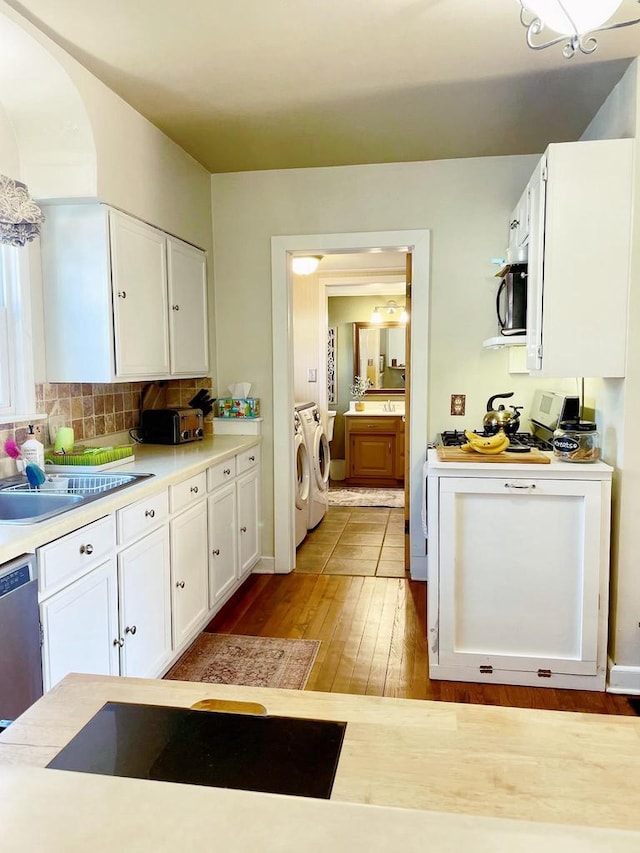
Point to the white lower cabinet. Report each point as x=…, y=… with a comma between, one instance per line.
x=234, y=523
x=189, y=572
x=126, y=594
x=80, y=627
x=518, y=580
x=248, y=512
x=144, y=576
x=223, y=550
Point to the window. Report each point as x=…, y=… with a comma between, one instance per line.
x=17, y=389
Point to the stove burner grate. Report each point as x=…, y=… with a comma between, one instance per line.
x=456, y=438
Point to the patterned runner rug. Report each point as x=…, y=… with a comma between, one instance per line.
x=359, y=496
x=250, y=661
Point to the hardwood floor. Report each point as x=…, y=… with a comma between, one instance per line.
x=373, y=633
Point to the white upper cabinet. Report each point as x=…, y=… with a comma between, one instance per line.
x=139, y=276
x=579, y=248
x=188, y=326
x=123, y=300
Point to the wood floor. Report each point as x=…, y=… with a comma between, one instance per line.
x=373, y=633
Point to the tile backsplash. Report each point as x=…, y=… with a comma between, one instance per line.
x=96, y=409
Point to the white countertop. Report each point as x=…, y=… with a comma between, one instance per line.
x=168, y=464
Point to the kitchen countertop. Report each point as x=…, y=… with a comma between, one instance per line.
x=556, y=468
x=412, y=772
x=168, y=463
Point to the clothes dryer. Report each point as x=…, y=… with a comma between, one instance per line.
x=320, y=461
x=302, y=472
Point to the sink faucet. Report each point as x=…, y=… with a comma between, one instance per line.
x=389, y=406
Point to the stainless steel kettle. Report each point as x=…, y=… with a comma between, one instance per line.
x=501, y=418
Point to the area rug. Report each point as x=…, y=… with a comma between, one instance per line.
x=250, y=661
x=355, y=496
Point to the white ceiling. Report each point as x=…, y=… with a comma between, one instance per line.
x=263, y=84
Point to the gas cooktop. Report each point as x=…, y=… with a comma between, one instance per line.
x=521, y=442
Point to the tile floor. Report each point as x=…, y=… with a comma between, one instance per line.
x=355, y=541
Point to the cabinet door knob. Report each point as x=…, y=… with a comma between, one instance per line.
x=180, y=584
x=194, y=489
x=86, y=549
x=243, y=530
x=252, y=459
x=150, y=513
x=130, y=630
x=227, y=471
x=514, y=224
x=216, y=552
x=119, y=641
x=176, y=307
x=122, y=294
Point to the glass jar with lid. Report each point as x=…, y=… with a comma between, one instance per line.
x=577, y=441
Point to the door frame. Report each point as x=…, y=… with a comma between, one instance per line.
x=282, y=248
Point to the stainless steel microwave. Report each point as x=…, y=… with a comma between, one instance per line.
x=511, y=301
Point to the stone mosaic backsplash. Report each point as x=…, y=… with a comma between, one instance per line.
x=95, y=409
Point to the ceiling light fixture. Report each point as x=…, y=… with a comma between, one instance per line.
x=305, y=265
x=574, y=20
x=391, y=308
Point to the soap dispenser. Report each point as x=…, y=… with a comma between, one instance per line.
x=33, y=450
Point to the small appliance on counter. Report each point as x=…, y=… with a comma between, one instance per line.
x=171, y=426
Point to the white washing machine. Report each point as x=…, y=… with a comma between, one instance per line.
x=320, y=461
x=302, y=471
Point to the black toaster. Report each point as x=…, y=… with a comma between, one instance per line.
x=171, y=426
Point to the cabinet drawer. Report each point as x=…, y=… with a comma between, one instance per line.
x=188, y=492
x=221, y=473
x=248, y=459
x=135, y=520
x=73, y=555
x=381, y=424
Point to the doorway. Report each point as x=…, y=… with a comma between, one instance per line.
x=282, y=248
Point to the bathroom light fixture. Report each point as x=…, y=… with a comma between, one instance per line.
x=305, y=265
x=391, y=308
x=574, y=20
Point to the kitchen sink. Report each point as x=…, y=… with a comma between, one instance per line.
x=21, y=503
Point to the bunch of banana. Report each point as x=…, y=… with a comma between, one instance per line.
x=488, y=445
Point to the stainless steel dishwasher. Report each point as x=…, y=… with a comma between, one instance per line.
x=20, y=656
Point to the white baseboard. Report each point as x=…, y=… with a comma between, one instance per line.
x=264, y=566
x=623, y=679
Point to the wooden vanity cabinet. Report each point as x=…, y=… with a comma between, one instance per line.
x=374, y=448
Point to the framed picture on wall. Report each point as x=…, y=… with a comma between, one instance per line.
x=331, y=365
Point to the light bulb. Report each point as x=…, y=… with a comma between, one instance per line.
x=305, y=265
x=581, y=16
x=376, y=317
x=404, y=316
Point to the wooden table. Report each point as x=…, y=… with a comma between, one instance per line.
x=476, y=764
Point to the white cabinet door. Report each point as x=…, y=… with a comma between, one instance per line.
x=579, y=249
x=223, y=543
x=519, y=574
x=139, y=276
x=248, y=487
x=189, y=572
x=145, y=605
x=80, y=627
x=188, y=321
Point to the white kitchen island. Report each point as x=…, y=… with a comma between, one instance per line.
x=518, y=572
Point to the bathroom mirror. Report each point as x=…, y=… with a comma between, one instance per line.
x=379, y=355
